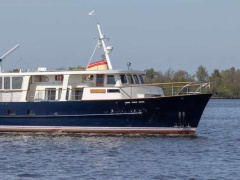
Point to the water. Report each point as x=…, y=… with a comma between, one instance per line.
x=214, y=153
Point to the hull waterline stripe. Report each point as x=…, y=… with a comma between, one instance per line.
x=75, y=115
x=114, y=130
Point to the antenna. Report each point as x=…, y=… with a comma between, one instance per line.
x=107, y=49
x=6, y=55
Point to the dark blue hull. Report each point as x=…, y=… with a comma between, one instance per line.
x=161, y=112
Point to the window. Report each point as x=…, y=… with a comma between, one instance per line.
x=136, y=79
x=50, y=94
x=6, y=82
x=113, y=91
x=31, y=112
x=40, y=78
x=11, y=112
x=38, y=95
x=130, y=79
x=110, y=79
x=88, y=77
x=17, y=82
x=123, y=79
x=78, y=94
x=141, y=79
x=37, y=78
x=100, y=80
x=0, y=82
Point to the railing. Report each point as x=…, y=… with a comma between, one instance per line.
x=169, y=89
x=53, y=95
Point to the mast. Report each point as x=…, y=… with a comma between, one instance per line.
x=107, y=49
x=7, y=54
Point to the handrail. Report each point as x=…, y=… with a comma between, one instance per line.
x=154, y=84
x=198, y=90
x=173, y=87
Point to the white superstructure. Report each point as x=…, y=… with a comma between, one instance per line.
x=74, y=85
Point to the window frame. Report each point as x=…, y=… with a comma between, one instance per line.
x=113, y=79
x=21, y=82
x=47, y=90
x=135, y=75
x=125, y=78
x=130, y=75
x=141, y=78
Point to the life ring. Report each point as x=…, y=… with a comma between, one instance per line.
x=59, y=77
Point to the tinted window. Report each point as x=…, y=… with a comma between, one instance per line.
x=130, y=79
x=113, y=91
x=123, y=79
x=141, y=79
x=17, y=82
x=110, y=79
x=0, y=82
x=136, y=79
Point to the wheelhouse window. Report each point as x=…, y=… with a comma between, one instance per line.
x=50, y=94
x=123, y=79
x=6, y=82
x=17, y=82
x=100, y=80
x=130, y=79
x=136, y=79
x=111, y=79
x=88, y=77
x=141, y=79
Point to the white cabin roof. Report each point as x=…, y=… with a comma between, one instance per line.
x=72, y=72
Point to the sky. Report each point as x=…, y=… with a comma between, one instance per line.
x=159, y=34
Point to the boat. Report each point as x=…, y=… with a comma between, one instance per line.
x=98, y=99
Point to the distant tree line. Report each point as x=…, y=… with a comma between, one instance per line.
x=224, y=84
